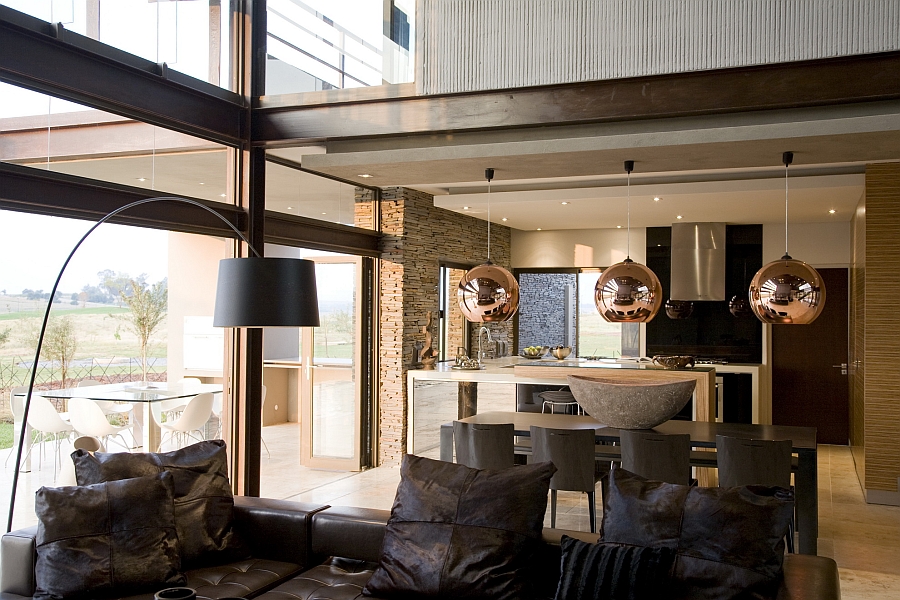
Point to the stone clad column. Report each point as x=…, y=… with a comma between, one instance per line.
x=417, y=236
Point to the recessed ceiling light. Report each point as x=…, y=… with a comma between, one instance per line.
x=656, y=199
x=504, y=218
x=831, y=212
x=678, y=217
x=221, y=195
x=465, y=208
x=201, y=183
x=324, y=213
x=365, y=176
x=618, y=227
x=290, y=208
x=538, y=228
x=142, y=179
x=658, y=245
x=563, y=203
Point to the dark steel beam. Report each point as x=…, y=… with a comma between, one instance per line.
x=811, y=83
x=291, y=230
x=51, y=60
x=27, y=189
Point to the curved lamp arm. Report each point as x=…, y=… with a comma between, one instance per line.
x=37, y=352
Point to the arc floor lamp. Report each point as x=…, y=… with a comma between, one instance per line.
x=251, y=292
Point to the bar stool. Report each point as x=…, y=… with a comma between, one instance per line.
x=563, y=399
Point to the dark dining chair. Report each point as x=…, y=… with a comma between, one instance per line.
x=755, y=462
x=572, y=452
x=657, y=456
x=484, y=446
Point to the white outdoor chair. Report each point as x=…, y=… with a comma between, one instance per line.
x=66, y=475
x=88, y=419
x=17, y=408
x=43, y=418
x=109, y=407
x=217, y=411
x=192, y=419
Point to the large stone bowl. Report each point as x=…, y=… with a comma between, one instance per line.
x=631, y=403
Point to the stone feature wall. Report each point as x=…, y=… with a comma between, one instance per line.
x=542, y=312
x=417, y=236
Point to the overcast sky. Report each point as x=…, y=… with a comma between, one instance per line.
x=33, y=248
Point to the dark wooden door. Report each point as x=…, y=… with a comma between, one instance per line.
x=807, y=389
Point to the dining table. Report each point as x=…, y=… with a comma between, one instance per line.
x=703, y=437
x=141, y=395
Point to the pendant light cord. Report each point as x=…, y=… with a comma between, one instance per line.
x=786, y=210
x=787, y=158
x=489, y=221
x=629, y=167
x=628, y=244
x=489, y=175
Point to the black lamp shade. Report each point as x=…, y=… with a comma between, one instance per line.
x=266, y=292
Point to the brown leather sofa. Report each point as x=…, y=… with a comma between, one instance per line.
x=310, y=552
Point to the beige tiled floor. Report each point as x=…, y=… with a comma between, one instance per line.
x=863, y=538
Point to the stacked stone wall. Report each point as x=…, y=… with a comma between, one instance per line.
x=542, y=312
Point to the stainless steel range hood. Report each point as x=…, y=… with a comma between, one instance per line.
x=698, y=261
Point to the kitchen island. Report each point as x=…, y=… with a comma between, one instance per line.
x=517, y=370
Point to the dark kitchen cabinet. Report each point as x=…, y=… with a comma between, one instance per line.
x=711, y=331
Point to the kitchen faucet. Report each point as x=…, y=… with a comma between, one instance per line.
x=486, y=331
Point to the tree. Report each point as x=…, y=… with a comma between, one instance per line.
x=118, y=285
x=148, y=305
x=4, y=336
x=93, y=293
x=60, y=344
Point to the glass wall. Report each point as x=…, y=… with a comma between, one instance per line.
x=316, y=45
x=190, y=36
x=37, y=130
x=557, y=309
x=295, y=192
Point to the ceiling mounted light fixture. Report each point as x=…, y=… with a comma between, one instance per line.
x=787, y=291
x=628, y=292
x=488, y=293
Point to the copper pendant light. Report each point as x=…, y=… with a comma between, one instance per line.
x=739, y=306
x=787, y=291
x=679, y=309
x=628, y=292
x=488, y=293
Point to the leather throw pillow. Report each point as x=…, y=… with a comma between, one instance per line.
x=456, y=532
x=613, y=571
x=729, y=542
x=204, y=504
x=116, y=537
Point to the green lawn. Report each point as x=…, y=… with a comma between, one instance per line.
x=6, y=435
x=39, y=314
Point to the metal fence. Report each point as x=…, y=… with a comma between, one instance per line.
x=18, y=371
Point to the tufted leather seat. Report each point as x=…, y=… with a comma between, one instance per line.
x=335, y=579
x=241, y=579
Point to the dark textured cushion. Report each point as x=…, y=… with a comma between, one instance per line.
x=203, y=500
x=118, y=535
x=729, y=541
x=613, y=571
x=456, y=532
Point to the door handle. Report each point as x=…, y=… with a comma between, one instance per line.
x=842, y=367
